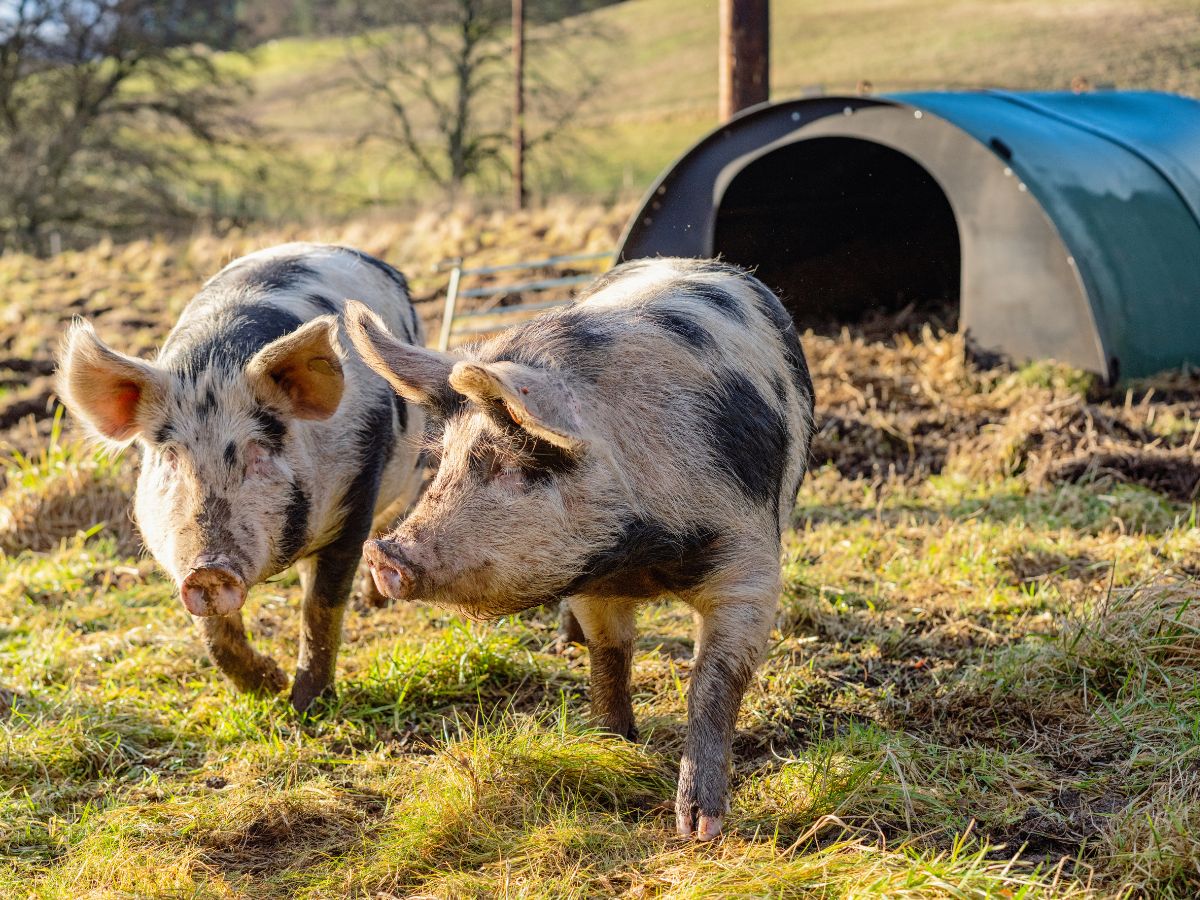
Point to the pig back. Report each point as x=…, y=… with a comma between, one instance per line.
x=692, y=374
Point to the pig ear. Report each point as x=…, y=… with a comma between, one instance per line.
x=536, y=400
x=418, y=375
x=301, y=371
x=112, y=393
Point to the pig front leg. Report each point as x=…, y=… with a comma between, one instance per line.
x=733, y=637
x=327, y=580
x=228, y=647
x=608, y=627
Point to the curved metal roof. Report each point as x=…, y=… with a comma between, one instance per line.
x=1116, y=176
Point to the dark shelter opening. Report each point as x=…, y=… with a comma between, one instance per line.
x=844, y=230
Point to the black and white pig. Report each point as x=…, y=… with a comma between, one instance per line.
x=649, y=439
x=263, y=444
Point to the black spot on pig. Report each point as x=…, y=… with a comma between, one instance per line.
x=540, y=459
x=445, y=404
x=572, y=338
x=392, y=274
x=374, y=442
x=775, y=311
x=207, y=404
x=276, y=274
x=780, y=386
x=227, y=338
x=401, y=410
x=323, y=303
x=681, y=326
x=164, y=433
x=213, y=523
x=718, y=297
x=647, y=558
x=231, y=455
x=543, y=461
x=748, y=437
x=270, y=428
x=294, y=534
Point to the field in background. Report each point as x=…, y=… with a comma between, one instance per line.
x=659, y=83
x=984, y=681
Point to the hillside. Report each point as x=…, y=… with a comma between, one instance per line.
x=657, y=70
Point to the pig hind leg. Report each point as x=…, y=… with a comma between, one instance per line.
x=228, y=647
x=733, y=637
x=569, y=629
x=608, y=627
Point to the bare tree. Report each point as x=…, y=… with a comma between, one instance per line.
x=105, y=105
x=440, y=73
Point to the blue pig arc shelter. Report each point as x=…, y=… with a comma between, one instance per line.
x=1066, y=225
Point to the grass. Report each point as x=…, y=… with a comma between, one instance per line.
x=1006, y=737
x=46, y=496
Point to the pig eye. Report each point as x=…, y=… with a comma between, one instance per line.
x=494, y=468
x=500, y=470
x=258, y=460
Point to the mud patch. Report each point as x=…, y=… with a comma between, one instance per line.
x=292, y=834
x=1175, y=474
x=1056, y=830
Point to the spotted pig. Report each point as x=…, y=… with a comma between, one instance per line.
x=263, y=443
x=649, y=439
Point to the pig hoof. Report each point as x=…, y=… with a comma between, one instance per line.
x=274, y=679
x=691, y=823
x=709, y=828
x=262, y=676
x=307, y=690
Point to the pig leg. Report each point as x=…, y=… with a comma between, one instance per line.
x=327, y=580
x=609, y=629
x=569, y=629
x=227, y=645
x=733, y=637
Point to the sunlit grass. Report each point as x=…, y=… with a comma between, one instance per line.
x=955, y=703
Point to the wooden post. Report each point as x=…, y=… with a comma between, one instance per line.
x=518, y=169
x=745, y=55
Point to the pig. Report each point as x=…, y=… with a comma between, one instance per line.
x=648, y=439
x=264, y=443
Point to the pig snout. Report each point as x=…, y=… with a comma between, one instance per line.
x=391, y=571
x=213, y=588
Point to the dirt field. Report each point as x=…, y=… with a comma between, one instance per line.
x=984, y=682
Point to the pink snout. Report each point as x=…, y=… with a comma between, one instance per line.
x=213, y=588
x=392, y=574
